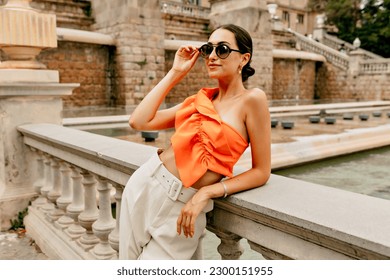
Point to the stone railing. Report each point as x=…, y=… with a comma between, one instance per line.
x=333, y=56
x=375, y=66
x=334, y=43
x=175, y=8
x=285, y=219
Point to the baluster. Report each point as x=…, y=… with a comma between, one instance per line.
x=55, y=192
x=90, y=213
x=66, y=197
x=40, y=179
x=74, y=209
x=105, y=223
x=48, y=206
x=113, y=237
x=230, y=247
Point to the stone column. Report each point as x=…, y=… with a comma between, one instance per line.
x=355, y=58
x=253, y=16
x=28, y=94
x=140, y=55
x=319, y=30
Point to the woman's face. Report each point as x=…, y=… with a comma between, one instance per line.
x=223, y=68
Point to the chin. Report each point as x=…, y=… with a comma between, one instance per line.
x=213, y=75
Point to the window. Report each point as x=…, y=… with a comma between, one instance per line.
x=301, y=18
x=286, y=16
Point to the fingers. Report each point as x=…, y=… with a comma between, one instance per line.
x=186, y=222
x=188, y=50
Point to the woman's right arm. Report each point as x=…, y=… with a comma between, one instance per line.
x=146, y=115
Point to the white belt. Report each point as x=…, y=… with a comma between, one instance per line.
x=174, y=187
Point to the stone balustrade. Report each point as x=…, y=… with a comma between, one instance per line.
x=335, y=57
x=369, y=63
x=334, y=43
x=175, y=8
x=375, y=66
x=77, y=172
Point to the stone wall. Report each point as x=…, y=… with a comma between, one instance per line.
x=186, y=28
x=87, y=64
x=293, y=79
x=74, y=14
x=336, y=84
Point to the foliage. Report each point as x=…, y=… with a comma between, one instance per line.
x=367, y=19
x=18, y=223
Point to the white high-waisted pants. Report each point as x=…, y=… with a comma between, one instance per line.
x=151, y=203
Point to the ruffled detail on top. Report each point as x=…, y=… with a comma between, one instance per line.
x=202, y=141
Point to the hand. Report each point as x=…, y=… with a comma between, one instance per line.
x=189, y=213
x=185, y=59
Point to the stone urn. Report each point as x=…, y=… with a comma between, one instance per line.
x=377, y=114
x=31, y=31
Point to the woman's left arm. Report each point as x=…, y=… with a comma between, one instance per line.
x=258, y=126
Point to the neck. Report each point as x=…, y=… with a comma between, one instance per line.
x=231, y=88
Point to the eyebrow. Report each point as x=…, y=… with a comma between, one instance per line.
x=219, y=43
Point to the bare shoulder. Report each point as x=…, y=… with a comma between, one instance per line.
x=256, y=97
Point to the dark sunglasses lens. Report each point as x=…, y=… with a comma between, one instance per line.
x=206, y=50
x=223, y=51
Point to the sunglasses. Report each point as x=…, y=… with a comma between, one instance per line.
x=222, y=50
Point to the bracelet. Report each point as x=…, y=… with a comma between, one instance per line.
x=225, y=189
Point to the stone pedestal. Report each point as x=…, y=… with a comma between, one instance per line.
x=24, y=32
x=253, y=16
x=26, y=96
x=355, y=57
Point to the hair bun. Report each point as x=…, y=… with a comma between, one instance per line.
x=247, y=71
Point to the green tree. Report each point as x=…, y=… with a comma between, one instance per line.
x=367, y=19
x=346, y=16
x=375, y=27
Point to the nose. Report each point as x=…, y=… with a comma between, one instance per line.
x=213, y=54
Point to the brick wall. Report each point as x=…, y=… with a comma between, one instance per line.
x=70, y=13
x=87, y=64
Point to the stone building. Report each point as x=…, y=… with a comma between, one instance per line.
x=145, y=34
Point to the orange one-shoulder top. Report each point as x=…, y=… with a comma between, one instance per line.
x=202, y=141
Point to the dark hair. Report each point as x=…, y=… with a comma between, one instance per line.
x=244, y=43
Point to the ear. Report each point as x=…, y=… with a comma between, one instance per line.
x=246, y=57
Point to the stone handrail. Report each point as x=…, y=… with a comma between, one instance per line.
x=333, y=56
x=175, y=8
x=285, y=219
x=334, y=43
x=375, y=66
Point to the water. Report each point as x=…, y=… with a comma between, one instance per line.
x=365, y=172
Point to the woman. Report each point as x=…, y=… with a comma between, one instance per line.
x=165, y=200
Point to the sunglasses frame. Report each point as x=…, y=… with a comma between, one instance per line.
x=216, y=51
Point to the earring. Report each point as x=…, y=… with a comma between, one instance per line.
x=239, y=70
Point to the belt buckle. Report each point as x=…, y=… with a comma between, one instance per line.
x=174, y=190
